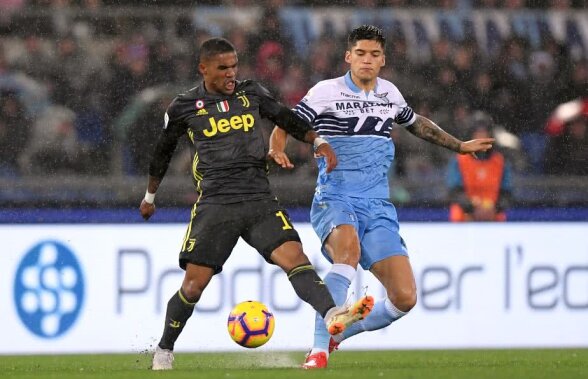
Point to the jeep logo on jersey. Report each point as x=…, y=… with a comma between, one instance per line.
x=224, y=125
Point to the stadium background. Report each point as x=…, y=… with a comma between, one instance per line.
x=83, y=87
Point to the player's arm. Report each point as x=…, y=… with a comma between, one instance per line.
x=164, y=150
x=426, y=129
x=295, y=126
x=302, y=131
x=277, y=147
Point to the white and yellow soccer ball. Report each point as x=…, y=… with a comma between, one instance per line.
x=251, y=324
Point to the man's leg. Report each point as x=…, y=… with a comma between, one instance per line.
x=310, y=288
x=277, y=240
x=306, y=282
x=395, y=274
x=342, y=245
x=179, y=309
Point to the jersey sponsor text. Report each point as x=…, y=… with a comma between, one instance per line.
x=223, y=125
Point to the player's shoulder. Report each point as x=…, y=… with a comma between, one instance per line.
x=390, y=90
x=191, y=94
x=246, y=84
x=184, y=100
x=251, y=86
x=330, y=84
x=325, y=88
x=386, y=85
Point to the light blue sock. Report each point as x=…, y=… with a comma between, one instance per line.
x=338, y=286
x=383, y=314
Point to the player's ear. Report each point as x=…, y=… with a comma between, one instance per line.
x=383, y=60
x=202, y=68
x=348, y=56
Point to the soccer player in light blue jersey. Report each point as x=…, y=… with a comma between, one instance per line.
x=351, y=211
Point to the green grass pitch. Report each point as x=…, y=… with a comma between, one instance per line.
x=416, y=364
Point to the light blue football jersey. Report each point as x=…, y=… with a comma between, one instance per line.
x=357, y=125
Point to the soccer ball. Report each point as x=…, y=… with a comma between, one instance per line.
x=251, y=324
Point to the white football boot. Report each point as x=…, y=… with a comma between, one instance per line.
x=162, y=359
x=339, y=318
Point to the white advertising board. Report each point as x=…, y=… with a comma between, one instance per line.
x=104, y=288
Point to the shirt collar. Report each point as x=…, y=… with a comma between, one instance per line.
x=352, y=86
x=350, y=83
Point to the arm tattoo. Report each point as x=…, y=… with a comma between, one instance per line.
x=429, y=131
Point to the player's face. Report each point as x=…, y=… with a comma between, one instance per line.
x=220, y=72
x=366, y=58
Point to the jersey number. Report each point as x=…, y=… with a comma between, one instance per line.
x=286, y=225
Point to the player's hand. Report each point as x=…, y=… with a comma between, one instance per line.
x=325, y=150
x=280, y=158
x=476, y=145
x=146, y=209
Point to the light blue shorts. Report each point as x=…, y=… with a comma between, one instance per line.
x=375, y=220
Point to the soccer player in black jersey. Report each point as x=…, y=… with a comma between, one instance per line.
x=222, y=118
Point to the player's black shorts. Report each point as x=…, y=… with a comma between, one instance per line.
x=215, y=228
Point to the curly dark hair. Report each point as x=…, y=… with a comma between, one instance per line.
x=369, y=32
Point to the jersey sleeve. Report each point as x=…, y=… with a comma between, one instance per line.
x=405, y=115
x=173, y=129
x=281, y=115
x=314, y=102
x=269, y=106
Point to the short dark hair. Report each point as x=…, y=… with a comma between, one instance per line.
x=369, y=32
x=214, y=46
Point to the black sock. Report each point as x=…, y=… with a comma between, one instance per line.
x=311, y=288
x=179, y=310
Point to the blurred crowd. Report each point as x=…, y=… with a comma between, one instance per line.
x=93, y=106
x=541, y=4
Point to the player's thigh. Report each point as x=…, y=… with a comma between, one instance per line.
x=396, y=275
x=381, y=237
x=213, y=232
x=342, y=245
x=269, y=227
x=328, y=215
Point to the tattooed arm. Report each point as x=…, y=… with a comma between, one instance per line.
x=429, y=131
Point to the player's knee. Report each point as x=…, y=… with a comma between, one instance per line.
x=192, y=290
x=404, y=299
x=289, y=255
x=296, y=261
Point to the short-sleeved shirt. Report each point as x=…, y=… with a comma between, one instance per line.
x=357, y=125
x=229, y=151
